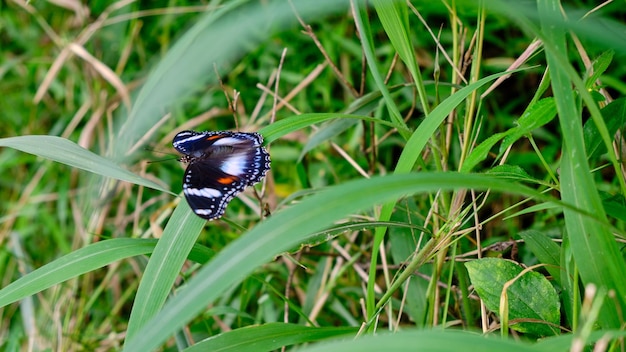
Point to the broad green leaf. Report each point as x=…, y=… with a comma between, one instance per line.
x=530, y=297
x=67, y=152
x=268, y=337
x=550, y=253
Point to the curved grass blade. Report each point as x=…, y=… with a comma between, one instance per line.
x=179, y=236
x=267, y=337
x=424, y=340
x=216, y=40
x=395, y=19
x=362, y=22
x=286, y=229
x=363, y=106
x=595, y=251
x=566, y=342
x=334, y=231
x=294, y=123
x=407, y=160
x=69, y=153
x=83, y=260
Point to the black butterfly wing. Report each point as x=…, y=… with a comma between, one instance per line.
x=221, y=165
x=194, y=144
x=209, y=196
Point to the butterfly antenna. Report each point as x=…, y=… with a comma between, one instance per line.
x=162, y=160
x=148, y=149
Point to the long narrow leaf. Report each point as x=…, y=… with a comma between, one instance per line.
x=290, y=227
x=69, y=153
x=80, y=261
x=411, y=152
x=267, y=337
x=84, y=260
x=367, y=42
x=394, y=18
x=595, y=251
x=173, y=247
x=280, y=128
x=216, y=40
x=425, y=340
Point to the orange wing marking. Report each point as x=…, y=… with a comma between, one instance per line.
x=227, y=180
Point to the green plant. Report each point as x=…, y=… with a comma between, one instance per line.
x=398, y=149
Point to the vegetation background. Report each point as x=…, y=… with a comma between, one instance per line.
x=440, y=171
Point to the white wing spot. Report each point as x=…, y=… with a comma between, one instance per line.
x=228, y=141
x=189, y=139
x=203, y=192
x=235, y=165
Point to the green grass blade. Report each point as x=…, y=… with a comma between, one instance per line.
x=282, y=127
x=67, y=152
x=566, y=342
x=424, y=340
x=267, y=337
x=360, y=18
x=426, y=129
x=218, y=38
x=407, y=160
x=601, y=32
x=80, y=261
x=168, y=257
x=535, y=116
x=545, y=249
x=394, y=18
x=595, y=251
x=84, y=260
x=288, y=228
x=362, y=106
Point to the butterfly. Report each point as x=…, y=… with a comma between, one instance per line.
x=221, y=164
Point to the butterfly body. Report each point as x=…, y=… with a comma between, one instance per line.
x=221, y=164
